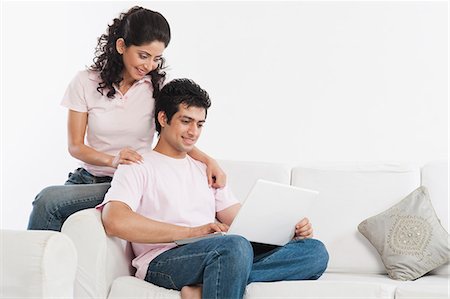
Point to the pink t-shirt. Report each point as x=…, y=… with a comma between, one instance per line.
x=169, y=190
x=113, y=124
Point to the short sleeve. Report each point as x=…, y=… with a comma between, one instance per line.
x=224, y=198
x=127, y=186
x=74, y=98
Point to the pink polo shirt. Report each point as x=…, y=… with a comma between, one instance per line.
x=169, y=190
x=113, y=124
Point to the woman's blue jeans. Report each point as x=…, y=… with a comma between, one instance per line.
x=54, y=204
x=225, y=265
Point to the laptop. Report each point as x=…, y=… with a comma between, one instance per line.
x=269, y=214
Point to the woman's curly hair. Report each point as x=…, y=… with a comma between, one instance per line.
x=137, y=26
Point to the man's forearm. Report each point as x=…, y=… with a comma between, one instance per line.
x=120, y=221
x=227, y=215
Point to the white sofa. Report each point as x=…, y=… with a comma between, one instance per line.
x=37, y=264
x=349, y=193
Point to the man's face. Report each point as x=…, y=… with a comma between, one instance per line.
x=184, y=130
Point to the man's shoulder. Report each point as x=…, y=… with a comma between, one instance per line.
x=148, y=154
x=130, y=168
x=199, y=164
x=156, y=160
x=153, y=160
x=152, y=156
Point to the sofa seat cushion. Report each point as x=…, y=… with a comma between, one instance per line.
x=384, y=279
x=132, y=287
x=328, y=286
x=319, y=289
x=348, y=285
x=428, y=287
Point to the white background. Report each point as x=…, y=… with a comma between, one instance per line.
x=289, y=82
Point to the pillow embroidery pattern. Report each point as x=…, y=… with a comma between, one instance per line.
x=410, y=235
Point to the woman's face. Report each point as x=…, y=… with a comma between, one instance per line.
x=139, y=60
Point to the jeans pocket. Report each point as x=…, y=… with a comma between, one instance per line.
x=76, y=177
x=82, y=176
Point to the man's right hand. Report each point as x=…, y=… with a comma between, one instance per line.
x=207, y=229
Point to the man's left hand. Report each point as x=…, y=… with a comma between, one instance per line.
x=303, y=229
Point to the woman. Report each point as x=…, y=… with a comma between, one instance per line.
x=111, y=107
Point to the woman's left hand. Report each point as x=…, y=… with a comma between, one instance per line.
x=303, y=229
x=216, y=176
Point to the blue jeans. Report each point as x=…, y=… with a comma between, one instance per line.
x=54, y=204
x=226, y=264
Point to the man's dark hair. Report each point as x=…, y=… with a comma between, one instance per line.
x=176, y=92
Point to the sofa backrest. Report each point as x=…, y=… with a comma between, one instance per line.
x=350, y=193
x=241, y=176
x=435, y=178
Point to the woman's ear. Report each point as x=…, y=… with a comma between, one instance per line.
x=120, y=45
x=162, y=118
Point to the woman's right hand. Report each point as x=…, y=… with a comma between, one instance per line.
x=207, y=229
x=126, y=156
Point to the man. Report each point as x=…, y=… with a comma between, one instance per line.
x=167, y=198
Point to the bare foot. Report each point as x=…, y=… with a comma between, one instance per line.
x=191, y=292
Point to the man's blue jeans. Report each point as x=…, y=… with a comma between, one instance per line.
x=225, y=265
x=54, y=204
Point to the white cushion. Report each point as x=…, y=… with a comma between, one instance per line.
x=330, y=285
x=409, y=237
x=435, y=178
x=37, y=264
x=352, y=285
x=132, y=287
x=350, y=193
x=101, y=258
x=242, y=176
x=428, y=287
x=319, y=289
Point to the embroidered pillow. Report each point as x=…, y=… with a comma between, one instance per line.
x=409, y=237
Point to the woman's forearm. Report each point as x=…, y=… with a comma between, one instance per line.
x=216, y=176
x=198, y=155
x=76, y=132
x=88, y=155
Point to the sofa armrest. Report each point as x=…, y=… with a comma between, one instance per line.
x=37, y=264
x=101, y=258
